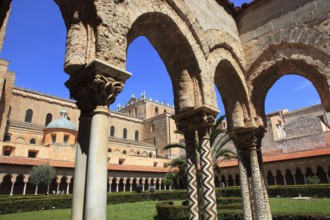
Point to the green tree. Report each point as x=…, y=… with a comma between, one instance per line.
x=43, y=173
x=218, y=139
x=313, y=180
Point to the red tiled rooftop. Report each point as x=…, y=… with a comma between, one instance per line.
x=282, y=157
x=69, y=164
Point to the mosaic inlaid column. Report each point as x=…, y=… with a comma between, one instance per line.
x=95, y=88
x=192, y=186
x=209, y=198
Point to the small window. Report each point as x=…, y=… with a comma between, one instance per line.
x=125, y=133
x=7, y=138
x=121, y=161
x=28, y=116
x=112, y=131
x=156, y=111
x=32, y=154
x=7, y=151
x=124, y=152
x=49, y=118
x=53, y=138
x=136, y=135
x=66, y=138
x=109, y=150
x=150, y=154
x=135, y=111
x=155, y=164
x=165, y=111
x=68, y=118
x=33, y=141
x=138, y=153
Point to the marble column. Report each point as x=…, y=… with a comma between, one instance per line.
x=58, y=181
x=117, y=185
x=95, y=87
x=124, y=184
x=110, y=183
x=24, y=188
x=68, y=181
x=13, y=180
x=78, y=197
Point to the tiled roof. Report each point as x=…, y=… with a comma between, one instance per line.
x=282, y=157
x=69, y=164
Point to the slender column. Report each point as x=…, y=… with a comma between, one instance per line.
x=260, y=135
x=68, y=181
x=78, y=197
x=244, y=171
x=12, y=187
x=95, y=87
x=253, y=186
x=192, y=188
x=294, y=179
x=36, y=190
x=209, y=198
x=124, y=183
x=58, y=181
x=284, y=178
x=110, y=182
x=305, y=182
x=117, y=185
x=130, y=186
x=97, y=172
x=24, y=188
x=143, y=183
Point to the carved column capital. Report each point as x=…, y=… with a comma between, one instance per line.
x=247, y=138
x=97, y=84
x=196, y=119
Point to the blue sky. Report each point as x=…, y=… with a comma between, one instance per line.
x=35, y=47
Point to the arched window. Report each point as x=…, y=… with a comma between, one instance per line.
x=7, y=137
x=109, y=150
x=124, y=152
x=112, y=131
x=136, y=135
x=28, y=116
x=125, y=133
x=49, y=118
x=156, y=111
x=33, y=141
x=150, y=154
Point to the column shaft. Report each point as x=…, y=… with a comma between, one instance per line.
x=97, y=172
x=209, y=198
x=24, y=188
x=192, y=175
x=12, y=188
x=78, y=197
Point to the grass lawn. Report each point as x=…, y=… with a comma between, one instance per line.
x=147, y=210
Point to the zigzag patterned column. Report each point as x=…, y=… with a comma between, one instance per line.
x=208, y=186
x=191, y=175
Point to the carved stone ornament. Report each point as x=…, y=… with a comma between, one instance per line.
x=195, y=119
x=97, y=85
x=247, y=137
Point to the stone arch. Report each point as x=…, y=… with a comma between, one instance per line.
x=5, y=186
x=19, y=184
x=131, y=152
x=177, y=54
x=20, y=140
x=285, y=59
x=144, y=154
x=270, y=178
x=230, y=81
x=289, y=177
x=299, y=176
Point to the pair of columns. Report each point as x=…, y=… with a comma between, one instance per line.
x=94, y=88
x=252, y=177
x=199, y=121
